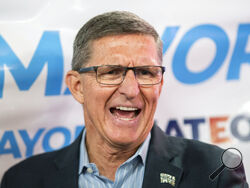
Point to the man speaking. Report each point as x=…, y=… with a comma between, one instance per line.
x=117, y=76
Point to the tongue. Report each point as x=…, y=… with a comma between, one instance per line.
x=123, y=114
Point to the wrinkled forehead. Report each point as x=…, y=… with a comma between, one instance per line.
x=132, y=48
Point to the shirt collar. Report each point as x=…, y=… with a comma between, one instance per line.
x=84, y=159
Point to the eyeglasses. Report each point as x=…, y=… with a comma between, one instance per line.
x=115, y=74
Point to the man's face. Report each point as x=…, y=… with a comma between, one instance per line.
x=120, y=115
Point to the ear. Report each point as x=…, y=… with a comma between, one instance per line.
x=74, y=83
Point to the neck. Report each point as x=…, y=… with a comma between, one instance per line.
x=106, y=157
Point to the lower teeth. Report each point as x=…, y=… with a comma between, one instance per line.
x=125, y=118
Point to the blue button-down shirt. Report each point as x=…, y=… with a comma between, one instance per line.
x=129, y=174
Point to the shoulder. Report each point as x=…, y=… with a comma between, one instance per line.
x=187, y=154
x=198, y=160
x=197, y=148
x=28, y=172
x=36, y=163
x=32, y=171
x=191, y=155
x=191, y=150
x=41, y=163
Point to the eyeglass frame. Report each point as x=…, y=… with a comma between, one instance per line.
x=94, y=68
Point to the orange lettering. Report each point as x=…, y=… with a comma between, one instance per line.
x=216, y=130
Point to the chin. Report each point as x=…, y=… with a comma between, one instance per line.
x=123, y=139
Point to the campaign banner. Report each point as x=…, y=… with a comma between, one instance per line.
x=206, y=92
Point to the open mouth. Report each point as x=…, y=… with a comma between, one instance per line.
x=125, y=113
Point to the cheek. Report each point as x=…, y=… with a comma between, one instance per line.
x=152, y=95
x=97, y=97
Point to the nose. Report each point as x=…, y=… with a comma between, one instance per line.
x=129, y=87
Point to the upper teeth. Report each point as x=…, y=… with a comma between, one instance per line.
x=126, y=108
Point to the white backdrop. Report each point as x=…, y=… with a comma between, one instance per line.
x=206, y=95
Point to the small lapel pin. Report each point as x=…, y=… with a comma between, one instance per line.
x=166, y=178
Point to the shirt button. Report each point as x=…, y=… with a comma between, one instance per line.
x=89, y=170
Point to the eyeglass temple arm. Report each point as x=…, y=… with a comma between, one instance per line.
x=86, y=69
x=163, y=69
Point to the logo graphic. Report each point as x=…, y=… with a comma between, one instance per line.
x=231, y=158
x=166, y=178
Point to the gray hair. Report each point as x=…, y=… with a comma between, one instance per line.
x=109, y=24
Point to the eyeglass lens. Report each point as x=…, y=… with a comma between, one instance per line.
x=145, y=75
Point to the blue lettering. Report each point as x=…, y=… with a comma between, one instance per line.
x=194, y=124
x=213, y=32
x=30, y=143
x=46, y=141
x=8, y=136
x=173, y=126
x=49, y=51
x=67, y=91
x=234, y=127
x=239, y=55
x=168, y=37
